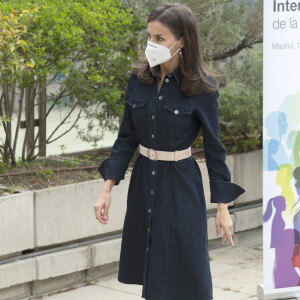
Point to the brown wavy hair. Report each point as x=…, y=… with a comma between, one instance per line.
x=194, y=74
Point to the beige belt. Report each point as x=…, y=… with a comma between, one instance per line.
x=165, y=155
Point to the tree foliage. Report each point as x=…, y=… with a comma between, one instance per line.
x=88, y=43
x=13, y=63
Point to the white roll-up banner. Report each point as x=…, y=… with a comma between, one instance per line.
x=281, y=145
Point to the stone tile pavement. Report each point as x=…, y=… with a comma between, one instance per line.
x=236, y=271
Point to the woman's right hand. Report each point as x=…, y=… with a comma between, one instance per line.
x=103, y=203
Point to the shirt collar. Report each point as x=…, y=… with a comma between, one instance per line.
x=175, y=73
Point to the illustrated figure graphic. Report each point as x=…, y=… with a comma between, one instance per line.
x=293, y=143
x=283, y=179
x=277, y=223
x=274, y=153
x=291, y=108
x=296, y=207
x=282, y=240
x=171, y=94
x=285, y=238
x=284, y=272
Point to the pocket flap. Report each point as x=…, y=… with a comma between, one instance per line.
x=179, y=109
x=136, y=102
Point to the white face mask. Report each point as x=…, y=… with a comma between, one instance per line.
x=158, y=54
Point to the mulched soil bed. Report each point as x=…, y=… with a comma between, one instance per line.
x=59, y=170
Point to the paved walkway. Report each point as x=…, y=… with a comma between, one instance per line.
x=236, y=271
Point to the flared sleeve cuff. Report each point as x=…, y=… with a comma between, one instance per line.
x=221, y=187
x=224, y=191
x=112, y=168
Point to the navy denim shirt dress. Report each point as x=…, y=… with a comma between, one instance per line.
x=164, y=241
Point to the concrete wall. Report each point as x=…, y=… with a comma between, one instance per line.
x=16, y=223
x=70, y=211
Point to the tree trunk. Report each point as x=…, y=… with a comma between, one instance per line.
x=29, y=118
x=42, y=118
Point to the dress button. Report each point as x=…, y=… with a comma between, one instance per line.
x=152, y=135
x=176, y=111
x=160, y=97
x=148, y=229
x=147, y=248
x=153, y=172
x=152, y=192
x=167, y=80
x=149, y=210
x=134, y=105
x=153, y=117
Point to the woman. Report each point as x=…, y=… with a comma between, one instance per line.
x=170, y=95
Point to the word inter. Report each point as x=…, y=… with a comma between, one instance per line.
x=285, y=6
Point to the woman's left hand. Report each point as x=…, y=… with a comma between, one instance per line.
x=223, y=220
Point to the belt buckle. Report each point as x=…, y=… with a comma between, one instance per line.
x=155, y=154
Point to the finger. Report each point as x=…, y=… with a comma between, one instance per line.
x=223, y=239
x=100, y=219
x=103, y=218
x=98, y=215
x=224, y=235
x=230, y=236
x=231, y=240
x=97, y=211
x=106, y=213
x=218, y=230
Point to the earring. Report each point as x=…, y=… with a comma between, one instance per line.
x=180, y=53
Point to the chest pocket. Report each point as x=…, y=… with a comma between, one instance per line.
x=178, y=109
x=139, y=111
x=178, y=117
x=135, y=103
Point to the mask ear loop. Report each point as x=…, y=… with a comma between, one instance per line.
x=176, y=50
x=174, y=44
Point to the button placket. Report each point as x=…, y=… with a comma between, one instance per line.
x=152, y=187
